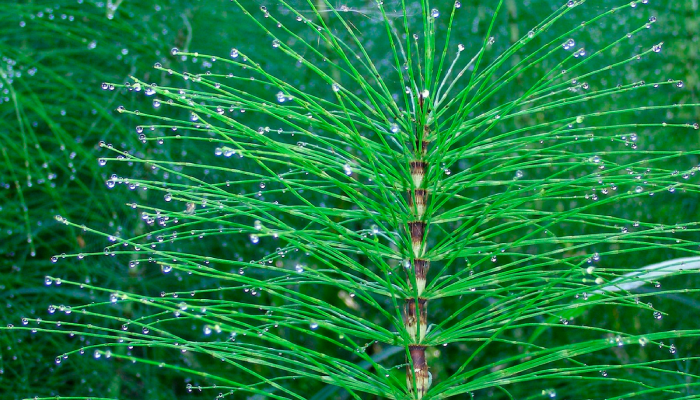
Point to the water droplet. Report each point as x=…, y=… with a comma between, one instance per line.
x=276, y=43
x=569, y=44
x=336, y=87
x=672, y=349
x=254, y=239
x=313, y=326
x=460, y=47
x=394, y=128
x=519, y=174
x=174, y=51
x=638, y=189
x=434, y=13
x=657, y=315
x=299, y=268
x=234, y=53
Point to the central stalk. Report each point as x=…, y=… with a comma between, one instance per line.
x=416, y=307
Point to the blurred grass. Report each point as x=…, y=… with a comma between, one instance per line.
x=53, y=113
x=54, y=57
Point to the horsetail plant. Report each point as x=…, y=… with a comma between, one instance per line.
x=443, y=223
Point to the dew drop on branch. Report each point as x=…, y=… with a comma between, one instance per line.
x=569, y=44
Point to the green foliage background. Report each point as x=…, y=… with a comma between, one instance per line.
x=54, y=57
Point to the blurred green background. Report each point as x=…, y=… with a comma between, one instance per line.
x=54, y=57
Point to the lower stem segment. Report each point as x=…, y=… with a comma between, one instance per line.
x=420, y=368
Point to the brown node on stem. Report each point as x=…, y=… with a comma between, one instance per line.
x=418, y=169
x=420, y=366
x=422, y=146
x=416, y=321
x=421, y=267
x=417, y=230
x=419, y=198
